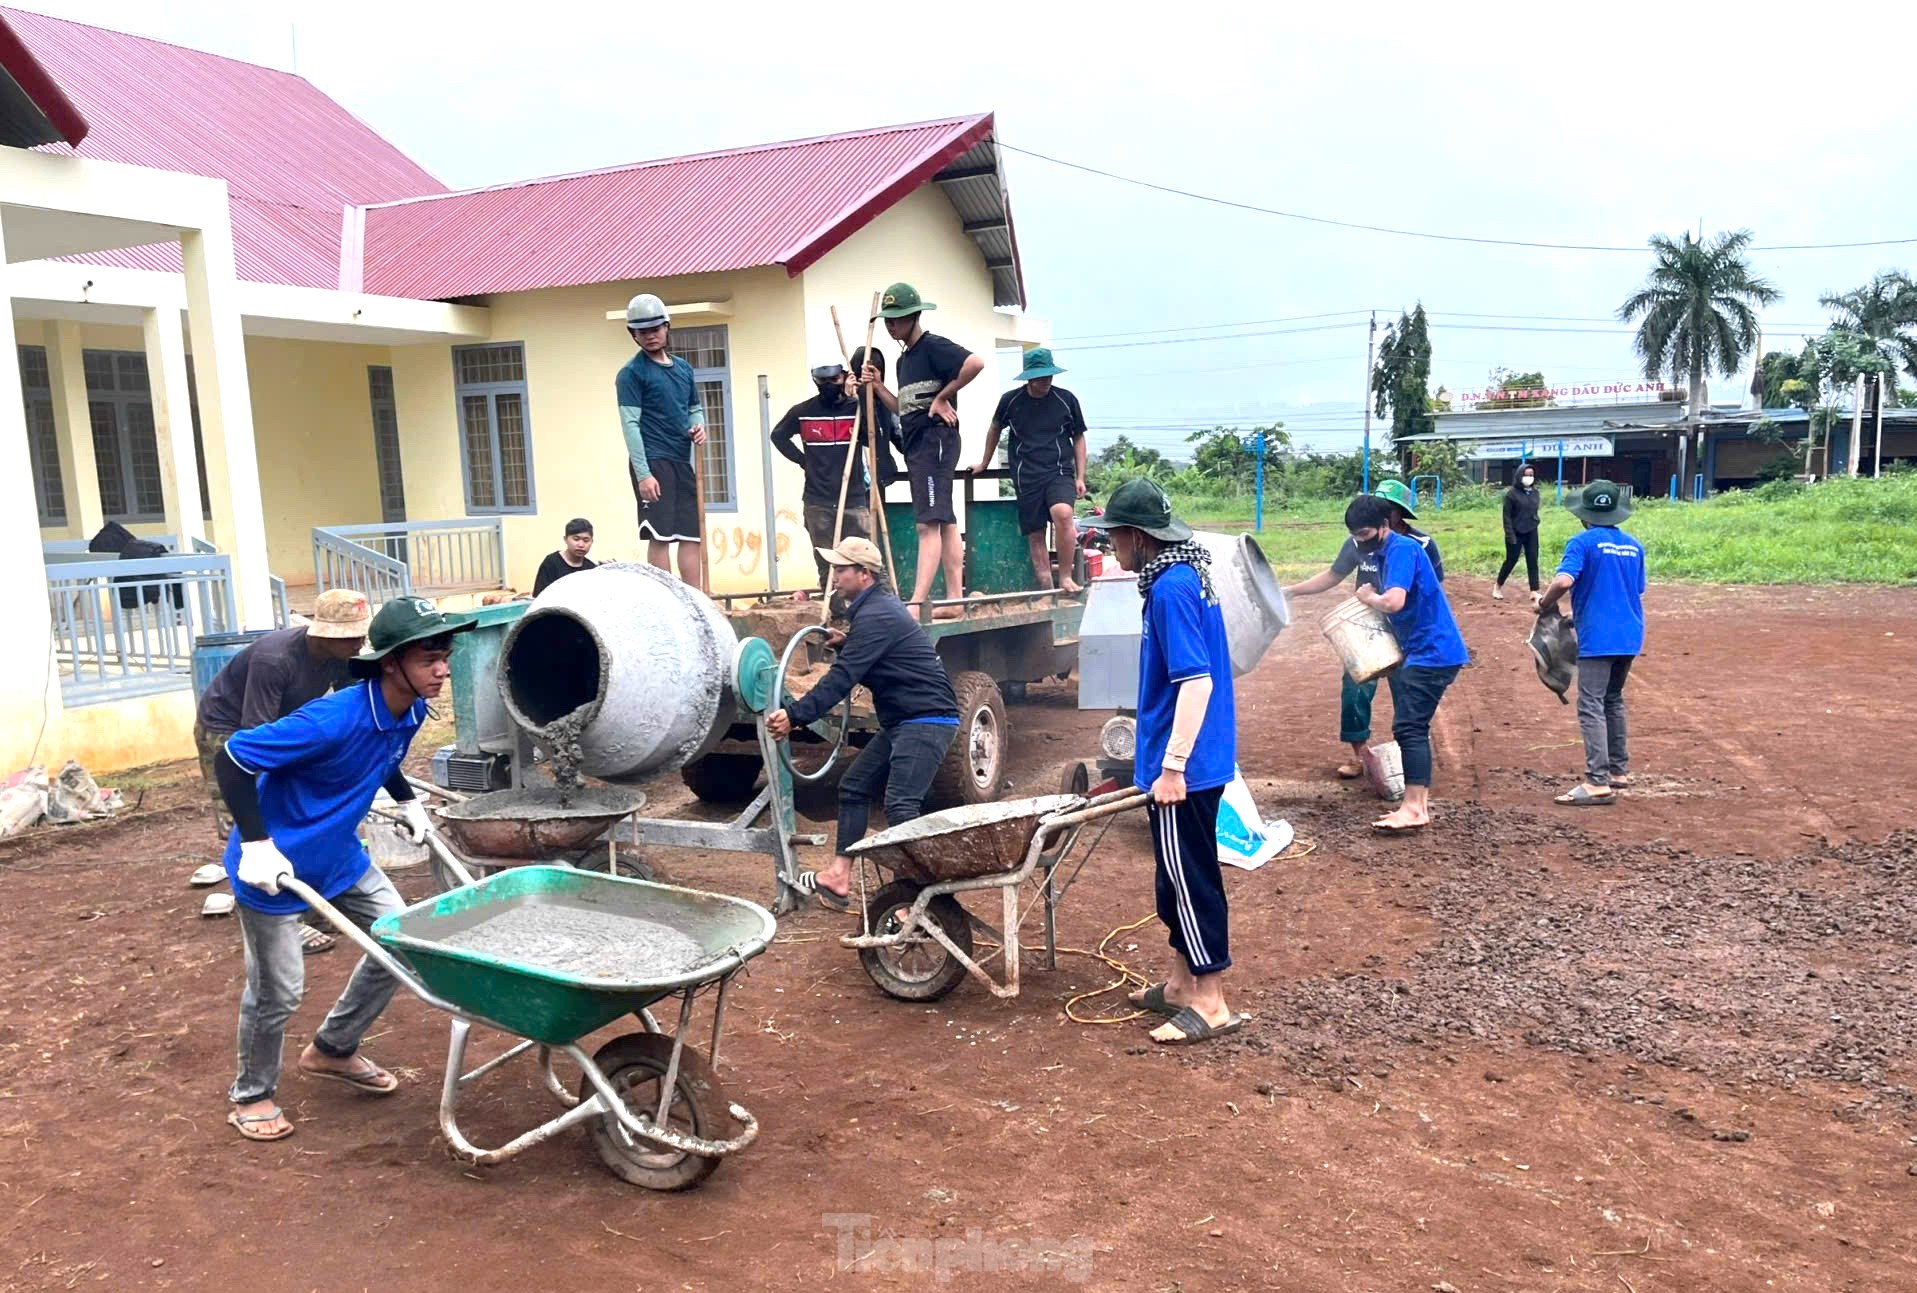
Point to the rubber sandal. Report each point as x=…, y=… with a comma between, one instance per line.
x=1624, y=782
x=217, y=904
x=1579, y=797
x=1194, y=1029
x=210, y=874
x=1349, y=772
x=359, y=1080
x=809, y=882
x=313, y=940
x=1153, y=1000
x=244, y=1123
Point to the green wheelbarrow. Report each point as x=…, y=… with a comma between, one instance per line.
x=550, y=954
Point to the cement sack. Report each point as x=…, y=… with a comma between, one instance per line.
x=23, y=803
x=74, y=796
x=1245, y=839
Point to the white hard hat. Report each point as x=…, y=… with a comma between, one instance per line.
x=646, y=311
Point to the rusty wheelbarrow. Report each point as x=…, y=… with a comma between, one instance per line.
x=916, y=940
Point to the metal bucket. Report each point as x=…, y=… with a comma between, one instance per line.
x=1363, y=639
x=1250, y=596
x=533, y=823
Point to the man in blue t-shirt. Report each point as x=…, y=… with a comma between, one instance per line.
x=1603, y=570
x=662, y=418
x=298, y=789
x=1187, y=753
x=1409, y=593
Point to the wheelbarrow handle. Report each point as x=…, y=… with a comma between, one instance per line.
x=437, y=844
x=366, y=943
x=1104, y=806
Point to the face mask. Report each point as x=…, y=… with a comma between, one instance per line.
x=1527, y=481
x=1369, y=546
x=832, y=393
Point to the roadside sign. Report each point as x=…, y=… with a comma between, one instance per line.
x=1584, y=446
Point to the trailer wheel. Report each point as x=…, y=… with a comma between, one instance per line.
x=975, y=765
x=635, y=1066
x=723, y=778
x=819, y=800
x=919, y=969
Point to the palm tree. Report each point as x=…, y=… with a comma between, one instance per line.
x=1885, y=311
x=1697, y=311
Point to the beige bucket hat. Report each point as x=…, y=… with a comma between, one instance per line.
x=340, y=613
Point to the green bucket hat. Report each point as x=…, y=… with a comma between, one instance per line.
x=900, y=300
x=1140, y=505
x=402, y=621
x=1397, y=494
x=1602, y=502
x=1038, y=363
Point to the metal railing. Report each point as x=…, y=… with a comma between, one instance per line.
x=127, y=628
x=404, y=558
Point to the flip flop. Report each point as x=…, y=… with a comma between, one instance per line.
x=1194, y=1029
x=244, y=1123
x=1579, y=797
x=217, y=904
x=809, y=882
x=1384, y=827
x=1154, y=1001
x=313, y=941
x=366, y=1079
x=1624, y=782
x=1346, y=772
x=210, y=874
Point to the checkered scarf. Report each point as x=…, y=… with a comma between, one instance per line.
x=1189, y=553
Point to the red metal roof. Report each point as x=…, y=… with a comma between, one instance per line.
x=292, y=158
x=775, y=204
x=33, y=108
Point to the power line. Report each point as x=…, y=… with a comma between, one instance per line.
x=1638, y=249
x=1197, y=327
x=1178, y=341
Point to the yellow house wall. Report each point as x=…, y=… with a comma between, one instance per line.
x=573, y=353
x=104, y=738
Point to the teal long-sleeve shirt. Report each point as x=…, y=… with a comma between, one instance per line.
x=658, y=407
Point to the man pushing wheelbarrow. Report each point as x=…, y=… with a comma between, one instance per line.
x=1187, y=754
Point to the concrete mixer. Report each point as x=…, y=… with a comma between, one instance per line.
x=624, y=673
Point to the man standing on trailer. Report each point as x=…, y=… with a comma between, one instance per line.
x=1187, y=754
x=1047, y=454
x=660, y=413
x=932, y=370
x=885, y=649
x=817, y=434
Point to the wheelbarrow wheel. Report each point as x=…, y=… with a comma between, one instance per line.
x=635, y=1065
x=919, y=969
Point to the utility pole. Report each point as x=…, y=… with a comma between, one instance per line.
x=1856, y=446
x=1371, y=345
x=1877, y=466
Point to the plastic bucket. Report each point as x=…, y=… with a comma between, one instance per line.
x=214, y=652
x=1363, y=640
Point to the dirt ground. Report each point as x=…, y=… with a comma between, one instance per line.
x=1656, y=1047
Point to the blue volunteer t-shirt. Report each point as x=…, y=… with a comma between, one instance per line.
x=1184, y=637
x=318, y=769
x=1425, y=628
x=1607, y=599
x=658, y=403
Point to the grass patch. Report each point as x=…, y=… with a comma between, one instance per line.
x=1835, y=532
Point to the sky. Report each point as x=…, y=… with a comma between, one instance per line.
x=1563, y=124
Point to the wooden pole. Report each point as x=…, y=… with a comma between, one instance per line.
x=699, y=497
x=852, y=446
x=875, y=493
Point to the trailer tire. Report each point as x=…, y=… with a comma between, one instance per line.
x=818, y=801
x=922, y=970
x=723, y=778
x=699, y=1107
x=975, y=765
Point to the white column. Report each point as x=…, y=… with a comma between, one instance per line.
x=226, y=414
x=73, y=420
x=173, y=425
x=27, y=684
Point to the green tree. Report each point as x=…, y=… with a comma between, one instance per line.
x=1120, y=461
x=1401, y=380
x=1501, y=386
x=1789, y=381
x=1697, y=310
x=1883, y=310
x=1228, y=455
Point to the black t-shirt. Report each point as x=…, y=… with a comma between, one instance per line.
x=555, y=568
x=267, y=681
x=924, y=371
x=1042, y=431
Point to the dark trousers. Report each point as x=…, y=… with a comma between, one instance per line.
x=1354, y=706
x=1528, y=545
x=1601, y=681
x=900, y=762
x=1189, y=885
x=1415, y=700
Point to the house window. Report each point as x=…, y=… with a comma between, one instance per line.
x=495, y=438
x=392, y=487
x=43, y=442
x=705, y=350
x=126, y=449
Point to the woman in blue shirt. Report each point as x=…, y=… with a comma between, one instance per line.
x=1421, y=618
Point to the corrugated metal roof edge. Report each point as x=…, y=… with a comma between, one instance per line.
x=686, y=157
x=39, y=85
x=814, y=245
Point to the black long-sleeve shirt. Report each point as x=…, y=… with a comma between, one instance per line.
x=887, y=651
x=826, y=431
x=1520, y=510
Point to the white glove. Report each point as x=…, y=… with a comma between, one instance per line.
x=415, y=824
x=263, y=866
